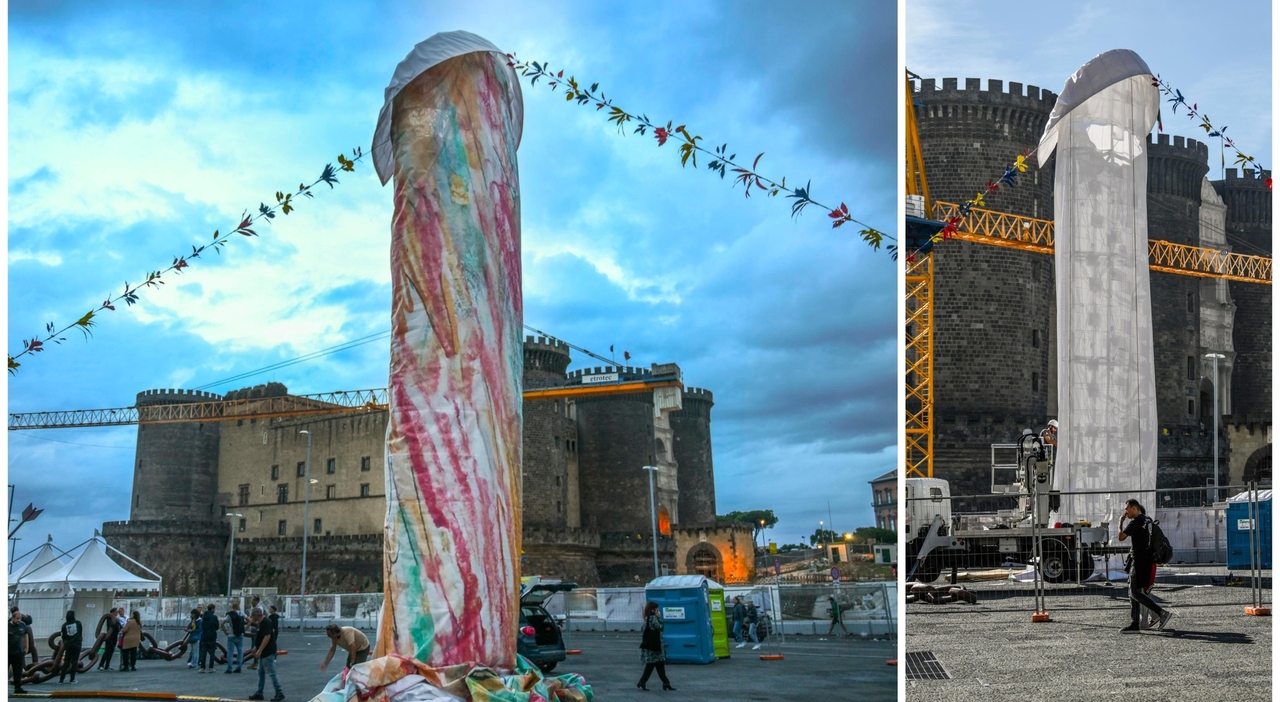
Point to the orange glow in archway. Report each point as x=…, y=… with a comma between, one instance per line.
x=664, y=521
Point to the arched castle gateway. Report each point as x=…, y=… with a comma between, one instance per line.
x=585, y=501
x=995, y=344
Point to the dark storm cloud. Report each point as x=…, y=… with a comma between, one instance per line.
x=821, y=63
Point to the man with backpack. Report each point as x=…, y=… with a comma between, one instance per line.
x=233, y=627
x=72, y=641
x=1142, y=566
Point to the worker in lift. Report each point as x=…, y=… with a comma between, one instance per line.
x=1049, y=437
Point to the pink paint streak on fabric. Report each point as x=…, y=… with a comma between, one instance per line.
x=451, y=568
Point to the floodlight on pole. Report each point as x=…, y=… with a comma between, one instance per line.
x=306, y=513
x=1215, y=357
x=231, y=562
x=653, y=509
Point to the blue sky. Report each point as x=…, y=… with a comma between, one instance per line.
x=1042, y=44
x=136, y=129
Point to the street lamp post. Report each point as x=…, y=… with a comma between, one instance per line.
x=653, y=510
x=231, y=563
x=1215, y=357
x=822, y=538
x=306, y=514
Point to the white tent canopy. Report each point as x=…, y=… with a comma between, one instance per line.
x=91, y=571
x=46, y=560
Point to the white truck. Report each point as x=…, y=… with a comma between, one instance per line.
x=983, y=541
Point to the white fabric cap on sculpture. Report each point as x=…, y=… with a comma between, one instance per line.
x=1102, y=71
x=432, y=51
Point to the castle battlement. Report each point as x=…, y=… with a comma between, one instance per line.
x=624, y=373
x=1180, y=147
x=995, y=94
x=173, y=397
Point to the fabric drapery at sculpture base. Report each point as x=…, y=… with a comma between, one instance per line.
x=407, y=680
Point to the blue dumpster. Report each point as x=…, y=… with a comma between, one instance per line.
x=1238, y=530
x=685, y=604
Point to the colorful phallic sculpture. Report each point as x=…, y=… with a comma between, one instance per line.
x=447, y=136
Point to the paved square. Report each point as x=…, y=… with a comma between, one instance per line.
x=993, y=651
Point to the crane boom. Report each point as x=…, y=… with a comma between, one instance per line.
x=316, y=405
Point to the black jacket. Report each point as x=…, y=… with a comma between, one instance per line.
x=651, y=639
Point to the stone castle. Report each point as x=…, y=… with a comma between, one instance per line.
x=995, y=342
x=586, y=509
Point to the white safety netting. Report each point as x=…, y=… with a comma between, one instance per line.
x=1106, y=366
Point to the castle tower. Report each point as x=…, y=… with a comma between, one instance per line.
x=994, y=316
x=616, y=435
x=691, y=427
x=1248, y=227
x=175, y=524
x=554, y=543
x=1175, y=172
x=1175, y=179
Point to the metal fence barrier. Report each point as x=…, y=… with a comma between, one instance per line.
x=1082, y=566
x=867, y=609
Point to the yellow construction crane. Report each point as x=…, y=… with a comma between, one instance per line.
x=317, y=405
x=1012, y=231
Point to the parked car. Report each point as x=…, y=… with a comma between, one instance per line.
x=539, y=638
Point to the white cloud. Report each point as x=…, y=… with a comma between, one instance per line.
x=48, y=258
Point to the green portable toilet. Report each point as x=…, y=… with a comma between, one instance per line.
x=719, y=619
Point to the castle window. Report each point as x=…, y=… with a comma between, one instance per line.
x=239, y=422
x=330, y=492
x=557, y=481
x=1035, y=382
x=302, y=469
x=1191, y=407
x=557, y=442
x=275, y=472
x=1191, y=367
x=282, y=493
x=364, y=489
x=1035, y=338
x=244, y=495
x=364, y=464
x=557, y=507
x=316, y=529
x=282, y=528
x=331, y=466
x=242, y=524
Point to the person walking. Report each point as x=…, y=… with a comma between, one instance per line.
x=255, y=604
x=193, y=637
x=208, y=639
x=739, y=620
x=274, y=616
x=109, y=628
x=835, y=617
x=349, y=639
x=652, y=653
x=264, y=650
x=18, y=634
x=130, y=641
x=233, y=627
x=1142, y=567
x=72, y=641
x=753, y=618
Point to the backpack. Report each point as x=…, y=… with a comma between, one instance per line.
x=1158, y=544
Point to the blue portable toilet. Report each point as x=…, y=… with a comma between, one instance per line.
x=685, y=604
x=1238, y=530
